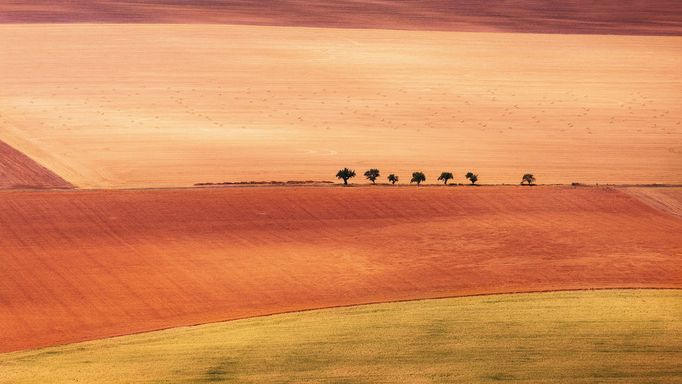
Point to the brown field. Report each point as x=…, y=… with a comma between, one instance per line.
x=80, y=265
x=112, y=106
x=19, y=171
x=649, y=17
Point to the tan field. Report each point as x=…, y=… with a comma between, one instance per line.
x=173, y=105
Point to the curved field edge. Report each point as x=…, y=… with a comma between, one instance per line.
x=566, y=337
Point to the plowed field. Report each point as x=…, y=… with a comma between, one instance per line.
x=19, y=171
x=91, y=264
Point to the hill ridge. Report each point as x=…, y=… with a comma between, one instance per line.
x=659, y=17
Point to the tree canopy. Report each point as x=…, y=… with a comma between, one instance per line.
x=418, y=177
x=528, y=178
x=472, y=177
x=345, y=174
x=445, y=176
x=372, y=175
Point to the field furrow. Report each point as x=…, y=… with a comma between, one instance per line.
x=90, y=264
x=19, y=171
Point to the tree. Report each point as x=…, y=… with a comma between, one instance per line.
x=372, y=175
x=417, y=177
x=393, y=178
x=445, y=176
x=528, y=178
x=473, y=178
x=345, y=174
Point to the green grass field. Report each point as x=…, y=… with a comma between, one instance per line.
x=624, y=336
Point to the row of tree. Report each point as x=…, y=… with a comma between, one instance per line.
x=418, y=177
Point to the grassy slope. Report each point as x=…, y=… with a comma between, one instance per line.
x=606, y=336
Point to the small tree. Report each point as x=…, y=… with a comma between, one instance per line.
x=345, y=174
x=372, y=175
x=528, y=178
x=392, y=178
x=417, y=177
x=473, y=178
x=445, y=176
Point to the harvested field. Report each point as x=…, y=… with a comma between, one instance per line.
x=652, y=17
x=665, y=199
x=19, y=171
x=110, y=106
x=90, y=264
x=632, y=336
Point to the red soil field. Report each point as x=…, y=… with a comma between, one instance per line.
x=655, y=17
x=19, y=171
x=80, y=265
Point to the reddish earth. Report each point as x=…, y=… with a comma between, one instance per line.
x=655, y=17
x=80, y=265
x=19, y=171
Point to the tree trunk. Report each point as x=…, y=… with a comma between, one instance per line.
x=345, y=181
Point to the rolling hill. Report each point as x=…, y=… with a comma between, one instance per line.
x=85, y=265
x=609, y=336
x=655, y=17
